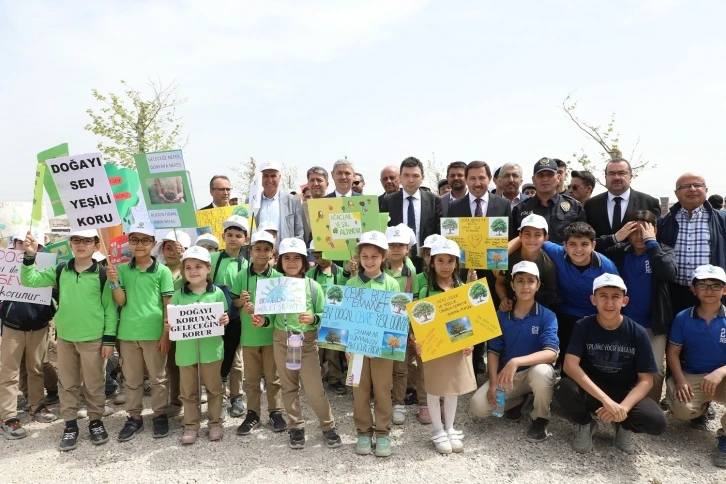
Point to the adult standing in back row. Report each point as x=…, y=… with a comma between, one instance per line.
x=220, y=188
x=278, y=207
x=343, y=175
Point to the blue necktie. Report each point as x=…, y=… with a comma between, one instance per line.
x=411, y=214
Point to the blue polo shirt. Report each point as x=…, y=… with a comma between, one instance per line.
x=704, y=345
x=637, y=273
x=574, y=286
x=521, y=337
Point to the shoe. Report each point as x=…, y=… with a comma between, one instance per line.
x=364, y=446
x=203, y=398
x=411, y=397
x=216, y=433
x=251, y=422
x=189, y=437
x=664, y=405
x=623, y=439
x=22, y=404
x=700, y=423
x=537, y=431
x=297, y=438
x=147, y=388
x=174, y=410
x=51, y=398
x=442, y=444
x=456, y=437
x=69, y=439
x=12, y=430
x=82, y=412
x=339, y=388
x=710, y=412
x=98, y=432
x=278, y=423
x=238, y=407
x=719, y=456
x=43, y=415
x=582, y=442
x=119, y=398
x=423, y=415
x=131, y=426
x=383, y=447
x=514, y=413
x=108, y=411
x=223, y=414
x=160, y=425
x=399, y=415
x=332, y=438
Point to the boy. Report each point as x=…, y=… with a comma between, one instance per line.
x=142, y=289
x=86, y=328
x=257, y=350
x=696, y=356
x=521, y=359
x=610, y=367
x=209, y=242
x=271, y=229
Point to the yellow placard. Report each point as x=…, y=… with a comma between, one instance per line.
x=337, y=223
x=454, y=320
x=214, y=217
x=482, y=240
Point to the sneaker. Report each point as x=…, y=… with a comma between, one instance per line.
x=147, y=388
x=51, y=398
x=12, y=430
x=339, y=388
x=131, y=426
x=108, y=410
x=189, y=437
x=441, y=441
x=623, y=439
x=456, y=437
x=710, y=412
x=719, y=456
x=160, y=425
x=82, y=412
x=223, y=414
x=238, y=407
x=98, y=432
x=216, y=433
x=399, y=414
x=43, y=415
x=383, y=447
x=119, y=398
x=423, y=414
x=332, y=438
x=411, y=397
x=700, y=423
x=251, y=422
x=582, y=442
x=514, y=413
x=278, y=423
x=174, y=410
x=297, y=438
x=22, y=404
x=537, y=431
x=364, y=446
x=664, y=405
x=69, y=439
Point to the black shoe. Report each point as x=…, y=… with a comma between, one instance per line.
x=278, y=423
x=664, y=405
x=700, y=423
x=98, y=432
x=339, y=388
x=69, y=439
x=332, y=438
x=251, y=421
x=537, y=431
x=514, y=413
x=161, y=426
x=130, y=428
x=297, y=438
x=411, y=397
x=51, y=398
x=710, y=412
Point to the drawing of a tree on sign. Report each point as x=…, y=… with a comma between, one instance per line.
x=450, y=225
x=457, y=328
x=332, y=337
x=499, y=226
x=478, y=292
x=423, y=311
x=335, y=295
x=497, y=258
x=398, y=303
x=393, y=343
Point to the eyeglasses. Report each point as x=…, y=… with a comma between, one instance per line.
x=712, y=287
x=76, y=241
x=688, y=186
x=144, y=242
x=222, y=189
x=574, y=187
x=513, y=176
x=617, y=173
x=356, y=183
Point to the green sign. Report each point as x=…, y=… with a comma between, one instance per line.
x=50, y=189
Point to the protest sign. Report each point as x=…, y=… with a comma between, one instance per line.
x=84, y=189
x=281, y=295
x=125, y=187
x=195, y=321
x=483, y=240
x=15, y=217
x=365, y=321
x=37, y=214
x=62, y=250
x=10, y=287
x=50, y=188
x=214, y=217
x=119, y=251
x=454, y=320
x=165, y=185
x=337, y=223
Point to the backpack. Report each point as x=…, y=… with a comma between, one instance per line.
x=59, y=270
x=232, y=311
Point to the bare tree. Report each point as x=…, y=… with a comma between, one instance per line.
x=245, y=173
x=434, y=171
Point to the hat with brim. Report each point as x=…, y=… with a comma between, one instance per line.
x=142, y=228
x=178, y=236
x=446, y=246
x=431, y=240
x=709, y=272
x=196, y=252
x=267, y=225
x=400, y=234
x=270, y=165
x=291, y=245
x=262, y=236
x=238, y=222
x=545, y=164
x=534, y=221
x=525, y=267
x=373, y=237
x=86, y=234
x=609, y=280
x=208, y=239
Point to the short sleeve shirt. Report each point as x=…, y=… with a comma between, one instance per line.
x=704, y=344
x=522, y=337
x=142, y=317
x=210, y=349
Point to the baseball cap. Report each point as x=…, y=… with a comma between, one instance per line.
x=267, y=225
x=545, y=164
x=526, y=186
x=236, y=221
x=534, y=220
x=312, y=245
x=262, y=236
x=373, y=237
x=86, y=234
x=178, y=236
x=608, y=280
x=270, y=165
x=446, y=246
x=208, y=239
x=496, y=172
x=400, y=234
x=291, y=245
x=19, y=235
x=196, y=252
x=709, y=272
x=526, y=266
x=431, y=240
x=142, y=228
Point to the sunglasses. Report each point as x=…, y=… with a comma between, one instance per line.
x=574, y=187
x=356, y=183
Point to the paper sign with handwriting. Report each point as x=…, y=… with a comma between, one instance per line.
x=195, y=321
x=281, y=295
x=483, y=240
x=10, y=287
x=337, y=223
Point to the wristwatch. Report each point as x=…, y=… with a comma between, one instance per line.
x=113, y=286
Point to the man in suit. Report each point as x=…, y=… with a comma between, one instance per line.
x=390, y=182
x=278, y=207
x=343, y=176
x=606, y=212
x=456, y=176
x=510, y=179
x=220, y=188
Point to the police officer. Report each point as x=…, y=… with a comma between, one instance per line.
x=559, y=210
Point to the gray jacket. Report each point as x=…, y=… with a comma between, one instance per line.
x=291, y=219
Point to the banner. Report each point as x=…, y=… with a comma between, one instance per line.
x=365, y=321
x=10, y=287
x=16, y=217
x=483, y=240
x=165, y=185
x=62, y=250
x=214, y=217
x=50, y=188
x=281, y=295
x=125, y=187
x=454, y=320
x=119, y=251
x=195, y=321
x=37, y=212
x=337, y=223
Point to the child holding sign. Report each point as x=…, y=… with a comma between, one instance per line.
x=198, y=288
x=292, y=260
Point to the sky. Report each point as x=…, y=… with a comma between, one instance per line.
x=306, y=83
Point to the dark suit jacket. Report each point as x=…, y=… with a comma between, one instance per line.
x=207, y=207
x=497, y=207
x=352, y=194
x=596, y=210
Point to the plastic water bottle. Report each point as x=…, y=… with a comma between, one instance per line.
x=294, y=352
x=501, y=396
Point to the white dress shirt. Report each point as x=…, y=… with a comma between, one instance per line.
x=484, y=203
x=623, y=205
x=270, y=211
x=416, y=210
x=338, y=194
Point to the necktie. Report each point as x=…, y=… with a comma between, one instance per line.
x=478, y=212
x=411, y=214
x=617, y=215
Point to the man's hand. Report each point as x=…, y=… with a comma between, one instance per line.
x=30, y=245
x=106, y=352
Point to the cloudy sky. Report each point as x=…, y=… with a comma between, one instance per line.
x=308, y=82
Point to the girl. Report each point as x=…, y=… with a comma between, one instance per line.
x=292, y=262
x=198, y=288
x=451, y=375
x=372, y=250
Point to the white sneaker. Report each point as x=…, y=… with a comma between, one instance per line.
x=456, y=437
x=82, y=412
x=442, y=442
x=399, y=414
x=108, y=410
x=119, y=398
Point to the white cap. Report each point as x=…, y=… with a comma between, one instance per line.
x=98, y=257
x=312, y=245
x=709, y=272
x=196, y=252
x=262, y=236
x=431, y=240
x=291, y=245
x=208, y=239
x=270, y=165
x=608, y=280
x=86, y=234
x=526, y=266
x=267, y=225
x=237, y=221
x=400, y=234
x=536, y=221
x=142, y=228
x=446, y=246
x=19, y=235
x=179, y=236
x=374, y=237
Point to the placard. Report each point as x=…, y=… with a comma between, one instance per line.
x=213, y=218
x=281, y=295
x=365, y=321
x=125, y=187
x=119, y=251
x=50, y=188
x=10, y=287
x=62, y=250
x=37, y=214
x=195, y=321
x=16, y=217
x=337, y=223
x=454, y=320
x=483, y=240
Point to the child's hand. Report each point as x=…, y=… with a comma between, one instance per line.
x=179, y=249
x=647, y=231
x=616, y=410
x=106, y=352
x=112, y=273
x=348, y=356
x=417, y=347
x=626, y=230
x=245, y=296
x=167, y=326
x=505, y=378
x=492, y=394
x=710, y=382
x=30, y=245
x=683, y=391
x=471, y=275
x=223, y=319
x=306, y=318
x=351, y=267
x=506, y=304
x=249, y=308
x=258, y=320
x=468, y=351
x=164, y=344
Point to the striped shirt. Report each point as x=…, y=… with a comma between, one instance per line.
x=693, y=246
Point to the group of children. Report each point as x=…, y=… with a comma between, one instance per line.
x=554, y=297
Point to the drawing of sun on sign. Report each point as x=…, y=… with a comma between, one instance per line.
x=450, y=226
x=459, y=329
x=478, y=294
x=498, y=227
x=336, y=338
x=398, y=303
x=334, y=296
x=424, y=312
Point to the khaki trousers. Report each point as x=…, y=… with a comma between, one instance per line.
x=383, y=405
x=658, y=344
x=81, y=361
x=335, y=369
x=699, y=402
x=308, y=372
x=259, y=361
x=211, y=374
x=15, y=347
x=236, y=374
x=416, y=375
x=134, y=354
x=538, y=379
x=172, y=372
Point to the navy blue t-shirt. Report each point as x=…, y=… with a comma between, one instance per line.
x=638, y=276
x=612, y=357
